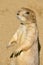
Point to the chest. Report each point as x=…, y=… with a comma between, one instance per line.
x=25, y=32
x=21, y=34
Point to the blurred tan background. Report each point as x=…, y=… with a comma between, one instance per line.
x=9, y=24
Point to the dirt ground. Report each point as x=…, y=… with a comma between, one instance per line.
x=9, y=24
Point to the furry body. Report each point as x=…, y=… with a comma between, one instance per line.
x=27, y=39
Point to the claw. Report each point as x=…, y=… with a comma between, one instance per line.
x=17, y=54
x=12, y=55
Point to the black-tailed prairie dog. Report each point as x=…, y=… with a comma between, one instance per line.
x=26, y=38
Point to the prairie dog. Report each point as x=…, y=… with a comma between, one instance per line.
x=26, y=37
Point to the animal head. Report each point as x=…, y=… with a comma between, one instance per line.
x=25, y=14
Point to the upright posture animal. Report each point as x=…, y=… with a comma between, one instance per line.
x=26, y=38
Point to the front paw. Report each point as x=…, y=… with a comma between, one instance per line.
x=18, y=53
x=10, y=44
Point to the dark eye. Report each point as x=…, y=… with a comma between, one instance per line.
x=27, y=12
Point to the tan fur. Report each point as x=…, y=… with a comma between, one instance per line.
x=26, y=38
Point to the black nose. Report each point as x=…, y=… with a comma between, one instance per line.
x=17, y=13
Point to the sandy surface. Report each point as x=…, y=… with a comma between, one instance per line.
x=9, y=24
